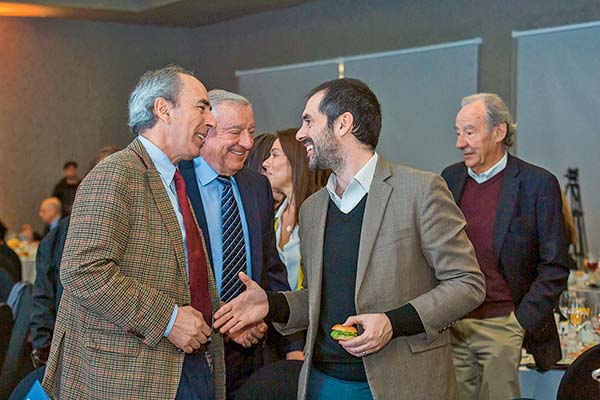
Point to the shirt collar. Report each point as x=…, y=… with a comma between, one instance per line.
x=163, y=164
x=490, y=173
x=356, y=189
x=54, y=223
x=205, y=173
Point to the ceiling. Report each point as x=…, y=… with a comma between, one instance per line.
x=156, y=12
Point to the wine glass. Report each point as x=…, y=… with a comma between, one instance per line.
x=590, y=262
x=564, y=302
x=578, y=312
x=595, y=318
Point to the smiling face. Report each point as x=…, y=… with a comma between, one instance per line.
x=190, y=120
x=278, y=169
x=481, y=146
x=227, y=146
x=322, y=149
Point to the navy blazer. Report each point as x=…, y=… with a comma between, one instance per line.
x=257, y=198
x=531, y=246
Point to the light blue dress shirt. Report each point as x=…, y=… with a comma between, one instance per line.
x=166, y=170
x=54, y=223
x=210, y=192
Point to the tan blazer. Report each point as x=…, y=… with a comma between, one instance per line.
x=413, y=248
x=123, y=270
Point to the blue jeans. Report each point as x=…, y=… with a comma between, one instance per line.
x=196, y=379
x=325, y=387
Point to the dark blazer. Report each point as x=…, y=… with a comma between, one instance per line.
x=530, y=244
x=257, y=198
x=10, y=262
x=47, y=289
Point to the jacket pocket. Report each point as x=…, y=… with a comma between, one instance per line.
x=418, y=343
x=392, y=237
x=113, y=342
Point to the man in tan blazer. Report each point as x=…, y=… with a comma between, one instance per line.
x=125, y=327
x=384, y=248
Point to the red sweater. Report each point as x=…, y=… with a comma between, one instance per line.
x=479, y=203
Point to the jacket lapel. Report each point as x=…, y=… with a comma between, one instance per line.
x=456, y=183
x=506, y=203
x=377, y=199
x=252, y=214
x=315, y=239
x=164, y=205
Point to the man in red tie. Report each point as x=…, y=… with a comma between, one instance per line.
x=136, y=312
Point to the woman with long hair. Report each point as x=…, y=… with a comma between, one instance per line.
x=287, y=171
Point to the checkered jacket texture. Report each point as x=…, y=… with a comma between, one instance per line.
x=123, y=271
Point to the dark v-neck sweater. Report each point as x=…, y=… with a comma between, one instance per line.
x=340, y=259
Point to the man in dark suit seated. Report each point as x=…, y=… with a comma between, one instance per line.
x=234, y=206
x=9, y=261
x=514, y=219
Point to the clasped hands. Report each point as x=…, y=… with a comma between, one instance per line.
x=251, y=307
x=190, y=332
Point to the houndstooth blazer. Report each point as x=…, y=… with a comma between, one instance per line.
x=123, y=271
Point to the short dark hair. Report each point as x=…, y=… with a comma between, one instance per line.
x=353, y=96
x=70, y=164
x=3, y=230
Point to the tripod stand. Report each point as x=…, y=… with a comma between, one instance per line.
x=573, y=192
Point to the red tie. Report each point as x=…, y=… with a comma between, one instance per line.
x=198, y=270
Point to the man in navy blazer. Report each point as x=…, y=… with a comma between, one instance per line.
x=514, y=219
x=223, y=154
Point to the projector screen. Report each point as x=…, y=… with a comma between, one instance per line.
x=558, y=109
x=419, y=90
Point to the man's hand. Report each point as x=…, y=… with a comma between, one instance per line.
x=250, y=335
x=250, y=307
x=377, y=333
x=190, y=331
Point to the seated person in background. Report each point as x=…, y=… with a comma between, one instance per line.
x=50, y=212
x=9, y=261
x=10, y=266
x=66, y=188
x=27, y=234
x=258, y=154
x=47, y=289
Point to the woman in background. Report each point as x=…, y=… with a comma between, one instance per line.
x=287, y=171
x=259, y=153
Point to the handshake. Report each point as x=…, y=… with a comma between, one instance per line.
x=240, y=320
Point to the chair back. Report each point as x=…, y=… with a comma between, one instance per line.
x=26, y=383
x=6, y=284
x=6, y=322
x=17, y=363
x=577, y=382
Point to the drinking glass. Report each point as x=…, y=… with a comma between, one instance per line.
x=595, y=318
x=564, y=303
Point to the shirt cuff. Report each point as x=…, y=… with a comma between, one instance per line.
x=405, y=321
x=279, y=309
x=171, y=321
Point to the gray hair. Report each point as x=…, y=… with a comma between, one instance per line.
x=164, y=83
x=497, y=113
x=218, y=96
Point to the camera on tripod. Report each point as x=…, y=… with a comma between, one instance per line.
x=572, y=174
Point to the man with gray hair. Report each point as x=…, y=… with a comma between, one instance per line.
x=234, y=206
x=136, y=311
x=514, y=220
